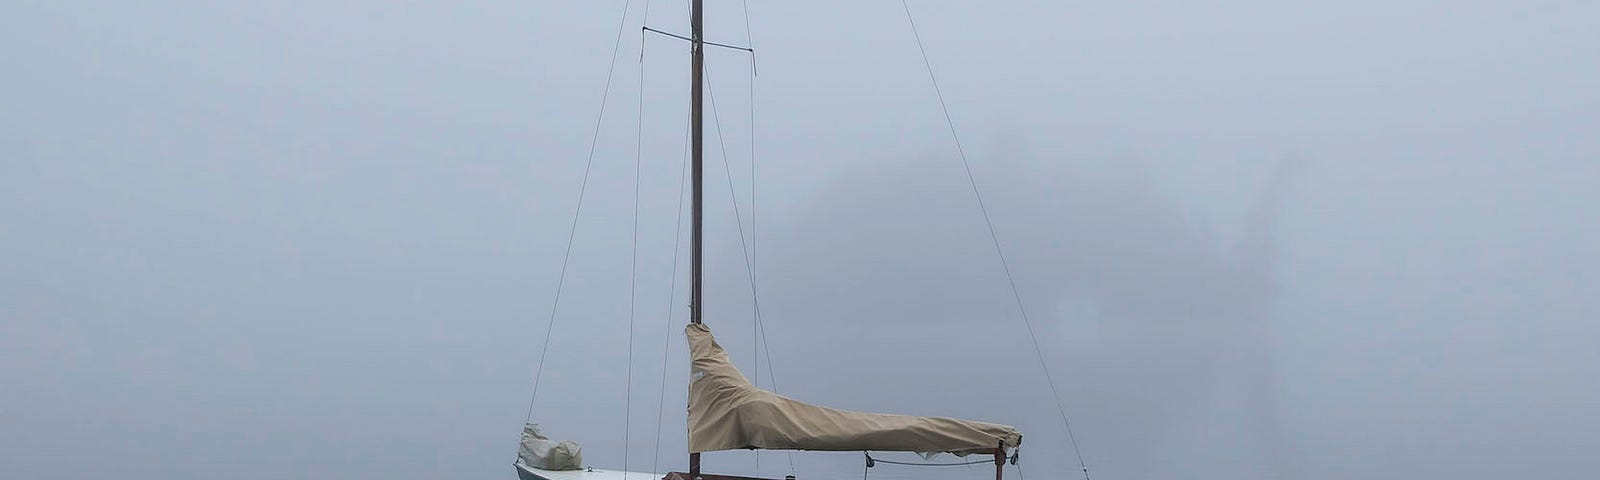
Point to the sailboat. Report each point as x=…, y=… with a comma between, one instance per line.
x=726, y=412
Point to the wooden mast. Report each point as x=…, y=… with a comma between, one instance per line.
x=696, y=78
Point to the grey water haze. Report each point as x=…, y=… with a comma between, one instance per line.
x=1255, y=239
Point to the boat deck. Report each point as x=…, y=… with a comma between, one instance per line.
x=529, y=473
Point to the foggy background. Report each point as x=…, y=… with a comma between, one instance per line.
x=1256, y=239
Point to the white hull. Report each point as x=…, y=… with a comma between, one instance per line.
x=525, y=472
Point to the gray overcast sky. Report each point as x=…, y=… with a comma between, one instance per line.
x=1257, y=239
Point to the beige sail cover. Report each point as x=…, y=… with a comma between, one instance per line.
x=727, y=413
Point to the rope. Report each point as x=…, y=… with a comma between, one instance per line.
x=572, y=232
x=1000, y=252
x=739, y=222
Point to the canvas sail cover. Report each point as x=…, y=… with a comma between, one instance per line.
x=539, y=451
x=726, y=412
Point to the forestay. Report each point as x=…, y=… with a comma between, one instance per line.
x=726, y=412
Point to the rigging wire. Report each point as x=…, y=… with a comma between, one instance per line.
x=672, y=296
x=704, y=42
x=572, y=232
x=1000, y=252
x=739, y=222
x=755, y=328
x=633, y=269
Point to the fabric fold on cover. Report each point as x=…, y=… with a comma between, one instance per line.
x=726, y=412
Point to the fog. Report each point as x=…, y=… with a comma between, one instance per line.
x=1253, y=240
